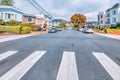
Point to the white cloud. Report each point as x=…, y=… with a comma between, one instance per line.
x=66, y=8
x=92, y=16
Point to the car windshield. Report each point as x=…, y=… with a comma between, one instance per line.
x=89, y=27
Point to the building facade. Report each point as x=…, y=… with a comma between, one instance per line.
x=113, y=15
x=8, y=12
x=101, y=19
x=42, y=19
x=28, y=19
x=92, y=23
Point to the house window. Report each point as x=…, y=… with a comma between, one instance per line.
x=114, y=20
x=39, y=22
x=9, y=16
x=101, y=22
x=1, y=15
x=108, y=15
x=30, y=19
x=114, y=12
x=108, y=21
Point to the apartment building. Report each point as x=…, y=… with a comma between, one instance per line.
x=101, y=19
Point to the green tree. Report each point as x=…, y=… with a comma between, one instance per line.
x=62, y=25
x=6, y=2
x=78, y=20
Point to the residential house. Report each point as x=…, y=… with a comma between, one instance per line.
x=92, y=23
x=8, y=12
x=48, y=20
x=113, y=15
x=43, y=19
x=39, y=20
x=101, y=19
x=28, y=19
x=56, y=22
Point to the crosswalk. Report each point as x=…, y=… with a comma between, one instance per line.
x=111, y=67
x=68, y=69
x=7, y=54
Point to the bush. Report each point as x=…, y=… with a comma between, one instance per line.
x=118, y=25
x=2, y=22
x=106, y=27
x=26, y=25
x=35, y=27
x=96, y=30
x=13, y=23
x=15, y=29
x=25, y=30
x=112, y=31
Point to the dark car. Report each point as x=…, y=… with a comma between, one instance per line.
x=52, y=30
x=42, y=29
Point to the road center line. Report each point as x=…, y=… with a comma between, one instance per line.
x=17, y=72
x=7, y=54
x=68, y=68
x=111, y=67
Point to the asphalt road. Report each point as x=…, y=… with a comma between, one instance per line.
x=54, y=65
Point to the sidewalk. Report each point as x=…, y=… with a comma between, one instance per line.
x=109, y=35
x=9, y=37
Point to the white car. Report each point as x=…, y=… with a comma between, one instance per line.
x=88, y=29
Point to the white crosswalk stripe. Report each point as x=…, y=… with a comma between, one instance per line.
x=7, y=54
x=68, y=68
x=17, y=72
x=110, y=66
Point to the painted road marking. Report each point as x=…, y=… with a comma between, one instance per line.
x=7, y=54
x=17, y=72
x=111, y=67
x=68, y=68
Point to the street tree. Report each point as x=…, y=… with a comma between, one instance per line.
x=62, y=24
x=78, y=20
x=6, y=2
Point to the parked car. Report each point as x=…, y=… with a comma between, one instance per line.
x=52, y=30
x=88, y=29
x=59, y=29
x=80, y=29
x=42, y=29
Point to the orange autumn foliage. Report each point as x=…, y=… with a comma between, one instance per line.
x=78, y=20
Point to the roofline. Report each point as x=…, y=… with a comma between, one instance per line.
x=10, y=7
x=29, y=15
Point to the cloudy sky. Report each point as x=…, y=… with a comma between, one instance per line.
x=66, y=8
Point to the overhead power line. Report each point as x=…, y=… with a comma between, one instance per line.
x=38, y=7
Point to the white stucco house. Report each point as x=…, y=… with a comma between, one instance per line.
x=113, y=15
x=8, y=12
